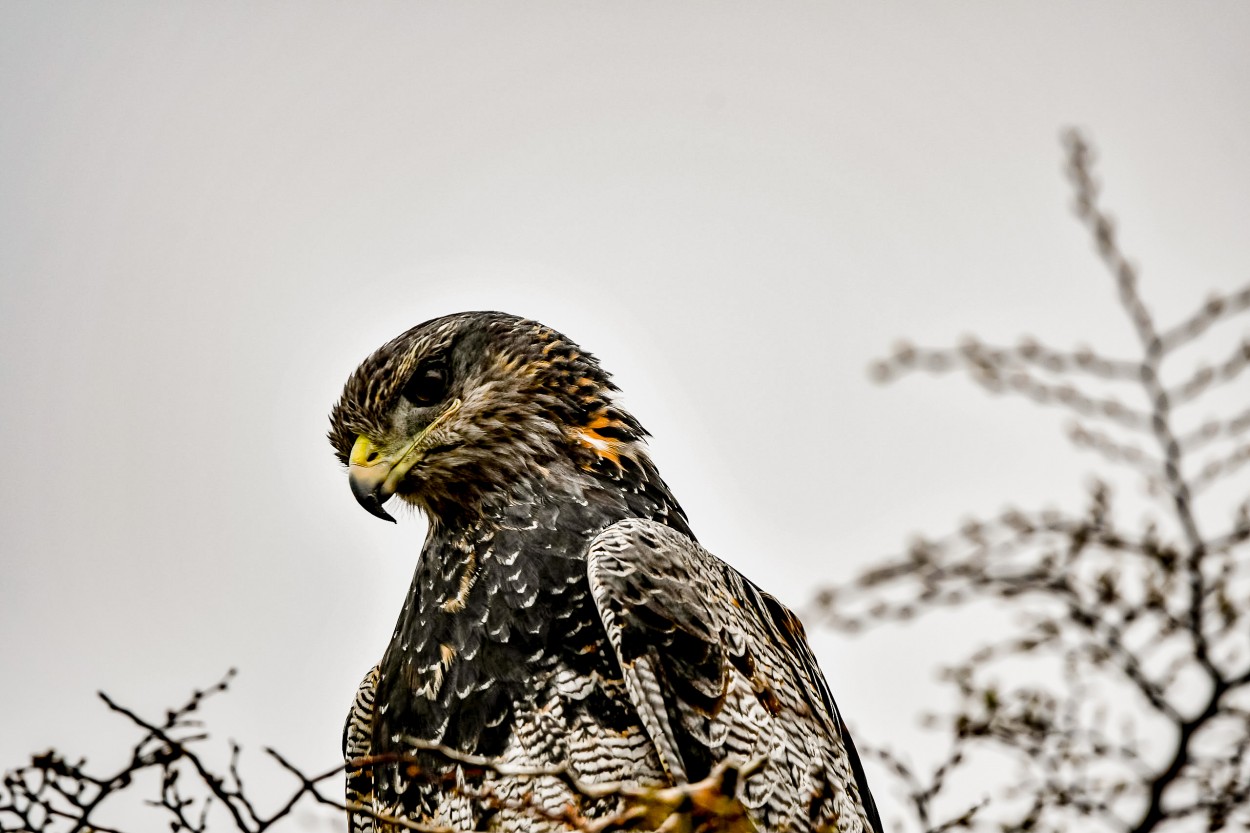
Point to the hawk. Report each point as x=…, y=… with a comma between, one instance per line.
x=563, y=622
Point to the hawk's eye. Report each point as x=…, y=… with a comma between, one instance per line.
x=427, y=386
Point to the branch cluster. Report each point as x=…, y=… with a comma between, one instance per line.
x=1125, y=630
x=51, y=794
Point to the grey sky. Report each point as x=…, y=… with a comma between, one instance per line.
x=209, y=213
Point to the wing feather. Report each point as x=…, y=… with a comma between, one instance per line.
x=719, y=669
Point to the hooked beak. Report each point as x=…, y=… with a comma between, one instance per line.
x=369, y=474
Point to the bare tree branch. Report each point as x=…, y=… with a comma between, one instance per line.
x=1149, y=628
x=50, y=794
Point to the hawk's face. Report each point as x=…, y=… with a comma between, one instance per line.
x=475, y=405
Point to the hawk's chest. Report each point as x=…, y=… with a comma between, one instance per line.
x=498, y=617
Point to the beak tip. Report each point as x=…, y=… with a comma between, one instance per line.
x=370, y=496
x=374, y=507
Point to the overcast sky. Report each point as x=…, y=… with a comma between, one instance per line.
x=209, y=213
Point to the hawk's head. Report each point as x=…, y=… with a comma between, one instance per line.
x=477, y=404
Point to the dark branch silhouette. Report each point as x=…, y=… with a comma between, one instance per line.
x=50, y=794
x=1131, y=631
x=53, y=794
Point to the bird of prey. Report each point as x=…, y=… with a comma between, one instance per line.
x=562, y=620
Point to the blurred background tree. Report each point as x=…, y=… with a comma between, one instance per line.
x=1116, y=696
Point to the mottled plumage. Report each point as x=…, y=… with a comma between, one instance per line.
x=562, y=614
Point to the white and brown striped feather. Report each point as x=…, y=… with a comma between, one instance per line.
x=749, y=688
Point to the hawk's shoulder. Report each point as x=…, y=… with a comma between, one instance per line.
x=719, y=669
